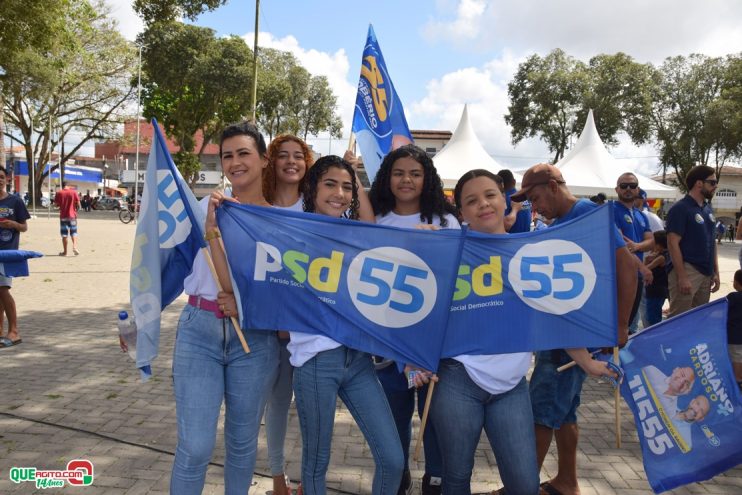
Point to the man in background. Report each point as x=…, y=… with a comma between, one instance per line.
x=68, y=203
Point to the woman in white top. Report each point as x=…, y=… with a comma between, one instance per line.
x=289, y=158
x=408, y=193
x=487, y=391
x=209, y=363
x=325, y=369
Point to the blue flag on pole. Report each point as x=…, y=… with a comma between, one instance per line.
x=538, y=290
x=680, y=386
x=14, y=262
x=378, y=289
x=169, y=235
x=378, y=120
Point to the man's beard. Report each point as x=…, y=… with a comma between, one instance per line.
x=708, y=194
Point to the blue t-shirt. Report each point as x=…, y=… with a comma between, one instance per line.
x=695, y=226
x=632, y=223
x=581, y=207
x=11, y=208
x=522, y=219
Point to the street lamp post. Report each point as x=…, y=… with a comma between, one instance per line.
x=136, y=165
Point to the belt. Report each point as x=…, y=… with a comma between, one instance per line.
x=206, y=304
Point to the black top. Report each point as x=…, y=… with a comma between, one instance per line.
x=734, y=318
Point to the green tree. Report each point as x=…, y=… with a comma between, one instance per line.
x=152, y=11
x=28, y=28
x=193, y=81
x=545, y=97
x=619, y=91
x=696, y=112
x=318, y=112
x=78, y=84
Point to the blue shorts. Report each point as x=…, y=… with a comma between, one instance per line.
x=68, y=226
x=555, y=396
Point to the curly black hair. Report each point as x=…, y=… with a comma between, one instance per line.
x=432, y=200
x=314, y=175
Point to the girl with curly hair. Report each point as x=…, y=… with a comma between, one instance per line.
x=289, y=160
x=325, y=369
x=407, y=192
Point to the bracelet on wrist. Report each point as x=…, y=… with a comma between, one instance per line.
x=212, y=234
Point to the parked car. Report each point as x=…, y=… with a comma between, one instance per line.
x=108, y=203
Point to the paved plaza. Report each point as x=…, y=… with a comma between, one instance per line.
x=67, y=392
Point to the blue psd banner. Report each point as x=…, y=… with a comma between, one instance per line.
x=680, y=387
x=378, y=289
x=549, y=289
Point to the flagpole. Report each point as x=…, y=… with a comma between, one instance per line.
x=617, y=401
x=419, y=442
x=212, y=268
x=352, y=141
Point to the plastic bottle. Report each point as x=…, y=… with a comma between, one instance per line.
x=128, y=333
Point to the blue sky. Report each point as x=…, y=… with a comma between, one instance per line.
x=442, y=54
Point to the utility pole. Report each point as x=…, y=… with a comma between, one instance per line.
x=255, y=64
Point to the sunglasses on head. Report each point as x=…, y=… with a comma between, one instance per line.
x=628, y=185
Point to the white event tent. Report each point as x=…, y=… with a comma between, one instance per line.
x=463, y=153
x=588, y=168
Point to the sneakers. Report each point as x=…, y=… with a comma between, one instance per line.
x=431, y=485
x=405, y=488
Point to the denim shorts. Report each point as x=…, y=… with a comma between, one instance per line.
x=555, y=396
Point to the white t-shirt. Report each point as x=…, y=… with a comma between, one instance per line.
x=304, y=346
x=200, y=282
x=412, y=221
x=298, y=206
x=496, y=373
x=655, y=222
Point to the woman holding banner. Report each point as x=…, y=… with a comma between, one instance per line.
x=408, y=193
x=487, y=391
x=209, y=363
x=325, y=369
x=289, y=158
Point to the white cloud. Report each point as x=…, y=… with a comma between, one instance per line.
x=648, y=31
x=484, y=90
x=335, y=66
x=466, y=25
x=129, y=23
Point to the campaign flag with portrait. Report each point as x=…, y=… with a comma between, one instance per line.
x=168, y=237
x=680, y=386
x=382, y=290
x=550, y=289
x=379, y=122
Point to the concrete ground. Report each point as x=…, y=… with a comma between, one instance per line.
x=68, y=392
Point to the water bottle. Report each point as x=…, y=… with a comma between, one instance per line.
x=128, y=333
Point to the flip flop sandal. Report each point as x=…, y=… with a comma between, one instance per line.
x=549, y=489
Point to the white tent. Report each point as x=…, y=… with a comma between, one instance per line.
x=463, y=153
x=588, y=168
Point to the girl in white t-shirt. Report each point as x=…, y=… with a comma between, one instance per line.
x=407, y=192
x=289, y=158
x=325, y=369
x=485, y=391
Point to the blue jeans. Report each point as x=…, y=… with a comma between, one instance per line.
x=459, y=411
x=277, y=410
x=402, y=403
x=349, y=374
x=210, y=366
x=653, y=312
